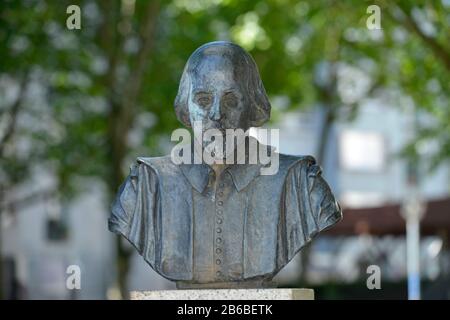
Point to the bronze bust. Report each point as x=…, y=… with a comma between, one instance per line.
x=222, y=225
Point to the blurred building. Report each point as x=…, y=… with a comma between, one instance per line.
x=362, y=161
x=363, y=166
x=41, y=239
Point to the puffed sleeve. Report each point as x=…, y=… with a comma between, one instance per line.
x=134, y=211
x=325, y=209
x=309, y=207
x=124, y=203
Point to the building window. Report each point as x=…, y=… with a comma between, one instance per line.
x=361, y=151
x=56, y=229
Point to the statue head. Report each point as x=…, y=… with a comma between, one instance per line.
x=221, y=87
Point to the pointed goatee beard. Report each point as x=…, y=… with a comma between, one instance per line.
x=216, y=148
x=228, y=148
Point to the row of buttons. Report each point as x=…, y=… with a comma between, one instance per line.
x=219, y=221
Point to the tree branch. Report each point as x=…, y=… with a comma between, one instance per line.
x=122, y=115
x=147, y=35
x=15, y=108
x=439, y=50
x=109, y=42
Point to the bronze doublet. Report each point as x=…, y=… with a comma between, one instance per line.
x=237, y=235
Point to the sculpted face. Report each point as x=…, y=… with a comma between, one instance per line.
x=221, y=90
x=216, y=96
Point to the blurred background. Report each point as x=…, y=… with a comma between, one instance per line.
x=78, y=106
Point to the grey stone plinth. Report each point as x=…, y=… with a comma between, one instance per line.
x=225, y=294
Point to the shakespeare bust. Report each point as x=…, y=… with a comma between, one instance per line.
x=222, y=222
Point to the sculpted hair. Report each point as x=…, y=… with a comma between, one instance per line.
x=244, y=68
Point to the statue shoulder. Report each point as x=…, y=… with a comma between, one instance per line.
x=159, y=165
x=289, y=162
x=155, y=161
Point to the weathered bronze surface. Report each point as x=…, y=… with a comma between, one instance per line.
x=222, y=226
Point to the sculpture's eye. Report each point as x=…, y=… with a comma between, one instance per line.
x=230, y=100
x=203, y=100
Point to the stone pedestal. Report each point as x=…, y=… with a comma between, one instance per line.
x=225, y=294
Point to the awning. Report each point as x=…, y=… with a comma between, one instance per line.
x=386, y=220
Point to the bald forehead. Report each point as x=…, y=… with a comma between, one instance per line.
x=219, y=56
x=233, y=53
x=217, y=68
x=217, y=71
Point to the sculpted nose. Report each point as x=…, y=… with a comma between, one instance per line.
x=215, y=111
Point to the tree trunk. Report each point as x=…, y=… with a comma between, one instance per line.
x=123, y=109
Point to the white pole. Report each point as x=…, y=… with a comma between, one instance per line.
x=413, y=211
x=413, y=256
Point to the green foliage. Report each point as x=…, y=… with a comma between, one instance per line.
x=287, y=38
